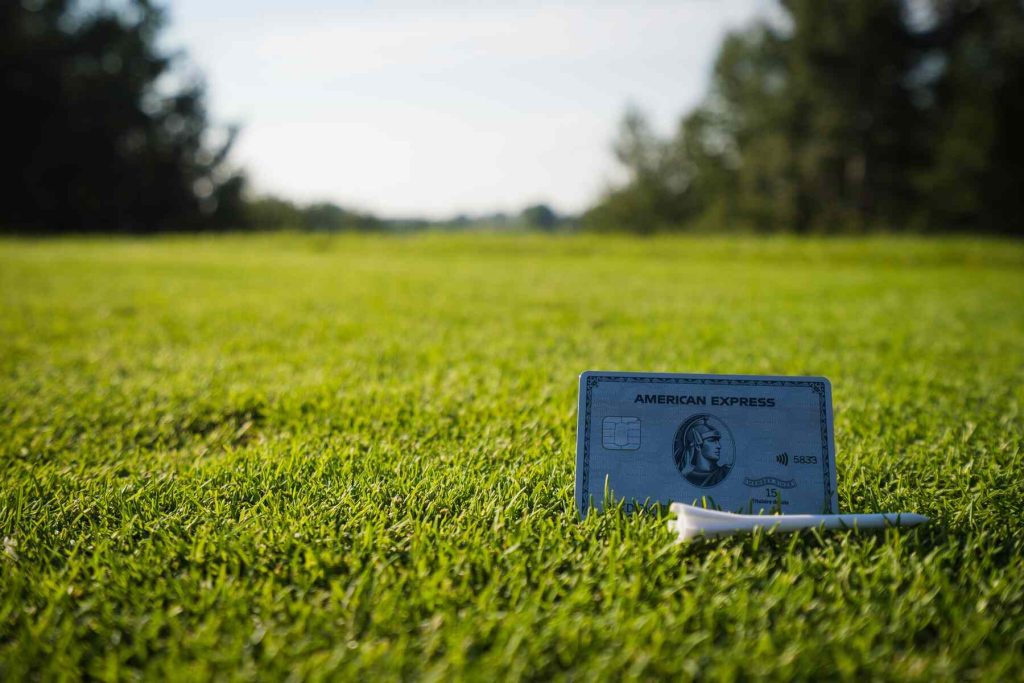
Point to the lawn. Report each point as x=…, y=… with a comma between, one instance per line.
x=353, y=457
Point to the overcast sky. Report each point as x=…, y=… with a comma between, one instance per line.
x=411, y=109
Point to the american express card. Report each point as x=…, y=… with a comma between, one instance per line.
x=744, y=443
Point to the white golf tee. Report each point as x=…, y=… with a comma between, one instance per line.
x=691, y=522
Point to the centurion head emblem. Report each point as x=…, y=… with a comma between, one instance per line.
x=703, y=450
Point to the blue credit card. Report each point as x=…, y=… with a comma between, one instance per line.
x=742, y=443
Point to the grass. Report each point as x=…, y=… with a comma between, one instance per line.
x=243, y=457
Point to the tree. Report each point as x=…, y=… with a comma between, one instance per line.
x=328, y=217
x=976, y=93
x=656, y=194
x=96, y=138
x=270, y=213
x=843, y=116
x=540, y=217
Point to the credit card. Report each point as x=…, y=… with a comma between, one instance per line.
x=742, y=443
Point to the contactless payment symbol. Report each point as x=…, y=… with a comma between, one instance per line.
x=620, y=433
x=704, y=450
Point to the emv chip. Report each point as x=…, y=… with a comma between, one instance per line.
x=621, y=433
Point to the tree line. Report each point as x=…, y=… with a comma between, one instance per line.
x=105, y=132
x=102, y=130
x=842, y=116
x=832, y=116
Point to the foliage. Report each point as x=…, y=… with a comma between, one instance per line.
x=269, y=213
x=351, y=457
x=540, y=217
x=656, y=195
x=843, y=116
x=103, y=130
x=976, y=174
x=328, y=216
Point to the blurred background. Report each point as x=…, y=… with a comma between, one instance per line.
x=746, y=115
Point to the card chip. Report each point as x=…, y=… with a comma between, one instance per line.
x=621, y=433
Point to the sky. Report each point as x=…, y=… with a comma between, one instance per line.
x=435, y=109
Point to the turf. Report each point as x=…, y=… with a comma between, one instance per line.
x=345, y=457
